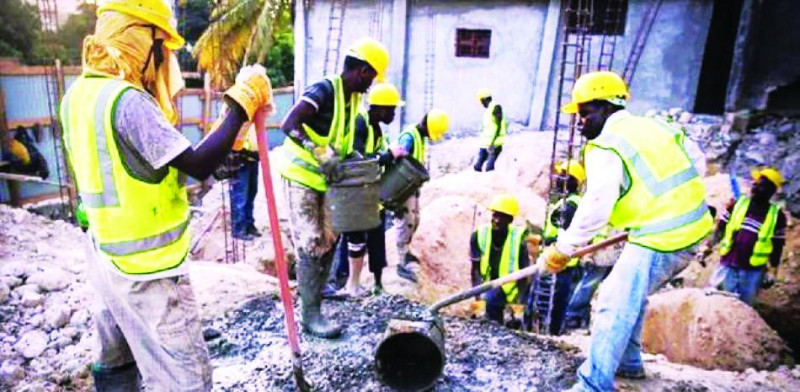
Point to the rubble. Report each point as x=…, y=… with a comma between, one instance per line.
x=32, y=344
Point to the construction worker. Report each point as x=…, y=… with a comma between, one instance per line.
x=570, y=177
x=752, y=234
x=497, y=250
x=370, y=141
x=23, y=156
x=493, y=131
x=244, y=184
x=414, y=140
x=593, y=270
x=327, y=108
x=129, y=162
x=640, y=179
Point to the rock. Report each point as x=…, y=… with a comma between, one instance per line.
x=10, y=371
x=5, y=292
x=685, y=118
x=51, y=280
x=16, y=269
x=32, y=344
x=70, y=332
x=796, y=372
x=79, y=318
x=60, y=343
x=709, y=331
x=11, y=281
x=32, y=299
x=56, y=317
x=36, y=321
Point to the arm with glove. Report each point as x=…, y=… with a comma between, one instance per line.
x=251, y=92
x=604, y=173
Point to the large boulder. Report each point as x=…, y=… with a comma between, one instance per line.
x=710, y=331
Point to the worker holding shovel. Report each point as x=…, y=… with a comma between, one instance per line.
x=640, y=178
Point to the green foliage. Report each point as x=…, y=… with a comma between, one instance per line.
x=67, y=43
x=193, y=19
x=19, y=29
x=280, y=60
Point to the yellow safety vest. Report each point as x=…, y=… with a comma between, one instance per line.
x=371, y=145
x=246, y=140
x=551, y=230
x=420, y=143
x=763, y=248
x=142, y=227
x=663, y=203
x=509, y=258
x=490, y=128
x=297, y=164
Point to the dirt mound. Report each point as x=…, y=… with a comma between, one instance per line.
x=452, y=207
x=252, y=354
x=709, y=331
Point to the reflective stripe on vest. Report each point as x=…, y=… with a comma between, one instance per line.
x=509, y=258
x=490, y=128
x=141, y=227
x=419, y=143
x=297, y=164
x=663, y=206
x=763, y=247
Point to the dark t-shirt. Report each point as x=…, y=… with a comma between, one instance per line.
x=321, y=96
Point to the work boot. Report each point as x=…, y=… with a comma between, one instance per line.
x=406, y=273
x=311, y=274
x=125, y=378
x=634, y=374
x=251, y=230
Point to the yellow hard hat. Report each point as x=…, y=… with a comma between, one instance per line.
x=484, y=93
x=438, y=122
x=505, y=203
x=384, y=94
x=156, y=12
x=574, y=169
x=373, y=53
x=596, y=85
x=770, y=173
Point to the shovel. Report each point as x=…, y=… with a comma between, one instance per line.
x=411, y=355
x=280, y=258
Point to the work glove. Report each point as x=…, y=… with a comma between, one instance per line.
x=477, y=308
x=252, y=90
x=328, y=162
x=398, y=152
x=553, y=260
x=533, y=242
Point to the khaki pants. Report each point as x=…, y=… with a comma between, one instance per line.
x=309, y=222
x=154, y=324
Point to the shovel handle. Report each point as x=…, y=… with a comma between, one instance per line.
x=521, y=274
x=280, y=257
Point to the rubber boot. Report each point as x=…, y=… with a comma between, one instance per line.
x=311, y=273
x=125, y=378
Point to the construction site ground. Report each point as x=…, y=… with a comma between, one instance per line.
x=46, y=331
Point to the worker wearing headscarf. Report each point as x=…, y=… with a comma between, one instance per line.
x=129, y=163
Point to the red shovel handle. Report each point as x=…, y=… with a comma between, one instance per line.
x=280, y=257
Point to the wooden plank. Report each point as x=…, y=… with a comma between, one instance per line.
x=26, y=178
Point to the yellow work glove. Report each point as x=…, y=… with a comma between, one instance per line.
x=477, y=308
x=252, y=89
x=533, y=241
x=554, y=261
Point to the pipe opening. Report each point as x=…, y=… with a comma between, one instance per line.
x=409, y=361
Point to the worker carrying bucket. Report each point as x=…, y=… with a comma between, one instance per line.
x=326, y=109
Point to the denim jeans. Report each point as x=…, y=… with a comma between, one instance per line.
x=484, y=154
x=617, y=326
x=561, y=296
x=580, y=303
x=495, y=304
x=244, y=187
x=743, y=282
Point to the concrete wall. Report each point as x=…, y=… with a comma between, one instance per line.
x=669, y=69
x=767, y=53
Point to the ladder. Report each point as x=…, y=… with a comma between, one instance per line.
x=430, y=62
x=54, y=93
x=574, y=61
x=612, y=22
x=641, y=39
x=334, y=40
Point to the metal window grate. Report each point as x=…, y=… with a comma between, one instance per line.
x=473, y=43
x=608, y=17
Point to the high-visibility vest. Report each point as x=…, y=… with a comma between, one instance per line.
x=509, y=258
x=297, y=164
x=551, y=230
x=490, y=128
x=371, y=146
x=663, y=204
x=141, y=226
x=420, y=143
x=763, y=247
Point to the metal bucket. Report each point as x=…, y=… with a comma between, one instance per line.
x=353, y=196
x=411, y=355
x=402, y=181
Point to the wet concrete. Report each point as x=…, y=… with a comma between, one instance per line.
x=252, y=354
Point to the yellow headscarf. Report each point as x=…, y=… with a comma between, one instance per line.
x=119, y=48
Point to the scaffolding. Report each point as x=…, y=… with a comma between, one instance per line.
x=574, y=61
